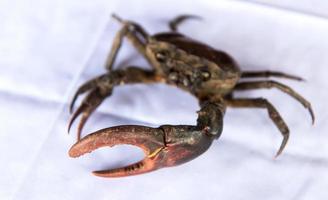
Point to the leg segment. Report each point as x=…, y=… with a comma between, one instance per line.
x=173, y=24
x=102, y=87
x=165, y=146
x=273, y=114
x=267, y=74
x=136, y=35
x=273, y=84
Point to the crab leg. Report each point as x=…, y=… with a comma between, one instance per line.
x=89, y=104
x=174, y=23
x=267, y=74
x=102, y=87
x=136, y=35
x=274, y=84
x=273, y=114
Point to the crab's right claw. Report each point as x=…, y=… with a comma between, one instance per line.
x=165, y=146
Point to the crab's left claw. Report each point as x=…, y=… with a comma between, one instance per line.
x=164, y=146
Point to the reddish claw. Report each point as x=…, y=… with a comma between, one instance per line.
x=165, y=146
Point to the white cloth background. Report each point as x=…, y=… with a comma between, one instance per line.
x=48, y=48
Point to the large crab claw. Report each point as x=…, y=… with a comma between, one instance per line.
x=165, y=146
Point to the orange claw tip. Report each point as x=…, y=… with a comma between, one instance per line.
x=75, y=152
x=80, y=148
x=108, y=174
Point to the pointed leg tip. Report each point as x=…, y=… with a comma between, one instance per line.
x=302, y=79
x=71, y=106
x=282, y=146
x=70, y=125
x=70, y=110
x=190, y=16
x=197, y=17
x=296, y=78
x=74, y=116
x=80, y=127
x=277, y=155
x=117, y=18
x=279, y=152
x=312, y=115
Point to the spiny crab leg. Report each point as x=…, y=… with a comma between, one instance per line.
x=89, y=104
x=102, y=86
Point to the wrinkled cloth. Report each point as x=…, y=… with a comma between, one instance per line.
x=49, y=48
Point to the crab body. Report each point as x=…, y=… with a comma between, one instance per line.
x=191, y=65
x=212, y=76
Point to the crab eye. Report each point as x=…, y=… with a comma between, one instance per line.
x=161, y=56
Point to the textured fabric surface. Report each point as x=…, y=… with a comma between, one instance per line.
x=49, y=48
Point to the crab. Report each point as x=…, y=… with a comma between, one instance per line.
x=212, y=76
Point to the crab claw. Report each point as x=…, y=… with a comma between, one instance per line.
x=165, y=146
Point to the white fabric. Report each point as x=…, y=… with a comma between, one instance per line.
x=316, y=8
x=49, y=48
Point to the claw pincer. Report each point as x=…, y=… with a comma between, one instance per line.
x=164, y=146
